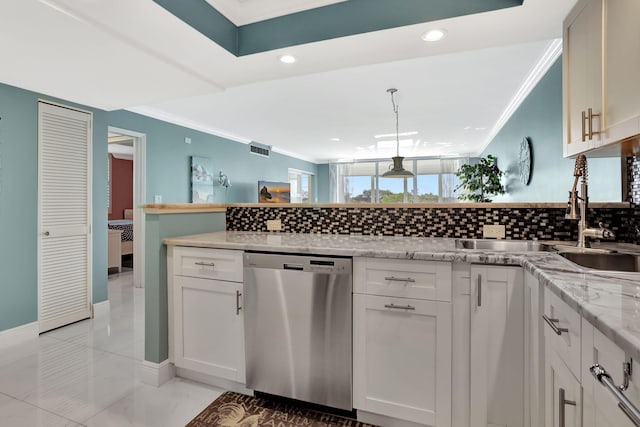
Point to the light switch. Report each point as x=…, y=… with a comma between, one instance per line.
x=157, y=198
x=492, y=231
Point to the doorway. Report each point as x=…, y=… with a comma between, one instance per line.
x=127, y=154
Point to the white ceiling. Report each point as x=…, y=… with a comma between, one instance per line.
x=242, y=12
x=133, y=54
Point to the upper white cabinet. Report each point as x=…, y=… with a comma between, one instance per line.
x=402, y=340
x=582, y=76
x=497, y=346
x=601, y=74
x=206, y=325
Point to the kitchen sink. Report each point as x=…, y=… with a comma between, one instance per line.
x=502, y=245
x=614, y=261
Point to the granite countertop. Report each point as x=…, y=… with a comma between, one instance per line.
x=609, y=300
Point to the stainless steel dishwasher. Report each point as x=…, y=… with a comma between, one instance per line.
x=298, y=327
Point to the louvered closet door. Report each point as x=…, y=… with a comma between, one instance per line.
x=64, y=244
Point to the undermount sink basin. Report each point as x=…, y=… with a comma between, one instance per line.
x=614, y=261
x=502, y=245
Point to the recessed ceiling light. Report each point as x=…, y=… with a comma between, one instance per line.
x=287, y=59
x=434, y=35
x=334, y=139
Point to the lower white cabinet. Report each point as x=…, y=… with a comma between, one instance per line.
x=402, y=358
x=497, y=346
x=533, y=352
x=563, y=393
x=601, y=408
x=209, y=329
x=206, y=321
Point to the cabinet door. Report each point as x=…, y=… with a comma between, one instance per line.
x=497, y=346
x=603, y=405
x=209, y=327
x=533, y=352
x=622, y=74
x=402, y=358
x=582, y=74
x=563, y=394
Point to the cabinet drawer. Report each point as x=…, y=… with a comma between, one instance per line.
x=562, y=331
x=208, y=263
x=429, y=280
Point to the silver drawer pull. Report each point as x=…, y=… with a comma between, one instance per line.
x=206, y=264
x=401, y=307
x=624, y=404
x=400, y=279
x=552, y=323
x=238, y=307
x=561, y=403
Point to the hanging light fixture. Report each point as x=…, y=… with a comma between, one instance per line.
x=397, y=171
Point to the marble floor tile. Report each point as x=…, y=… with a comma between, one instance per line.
x=88, y=373
x=175, y=403
x=14, y=413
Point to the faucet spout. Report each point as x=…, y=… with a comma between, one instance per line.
x=581, y=203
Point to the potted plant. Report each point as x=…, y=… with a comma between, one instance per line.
x=481, y=180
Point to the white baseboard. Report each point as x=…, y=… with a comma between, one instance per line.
x=101, y=308
x=18, y=334
x=220, y=383
x=382, y=420
x=156, y=374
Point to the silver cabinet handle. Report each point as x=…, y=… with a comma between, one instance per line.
x=590, y=117
x=561, y=404
x=206, y=264
x=238, y=308
x=624, y=404
x=401, y=307
x=479, y=293
x=552, y=322
x=46, y=233
x=400, y=279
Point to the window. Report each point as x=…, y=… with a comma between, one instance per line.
x=301, y=183
x=362, y=182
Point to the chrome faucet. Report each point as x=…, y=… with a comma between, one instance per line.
x=581, y=204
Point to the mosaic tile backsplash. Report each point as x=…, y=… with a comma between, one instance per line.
x=633, y=179
x=520, y=223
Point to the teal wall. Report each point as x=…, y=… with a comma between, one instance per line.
x=539, y=118
x=158, y=228
x=169, y=160
x=322, y=183
x=19, y=205
x=168, y=174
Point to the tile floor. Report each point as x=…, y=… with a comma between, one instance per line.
x=88, y=374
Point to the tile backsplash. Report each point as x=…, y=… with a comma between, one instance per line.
x=520, y=223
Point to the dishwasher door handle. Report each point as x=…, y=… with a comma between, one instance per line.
x=297, y=267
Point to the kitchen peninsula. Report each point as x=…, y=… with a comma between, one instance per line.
x=482, y=312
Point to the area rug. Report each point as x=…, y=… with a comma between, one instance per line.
x=234, y=409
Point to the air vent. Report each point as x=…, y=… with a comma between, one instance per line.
x=259, y=149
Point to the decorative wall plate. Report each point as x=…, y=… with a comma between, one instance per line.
x=525, y=161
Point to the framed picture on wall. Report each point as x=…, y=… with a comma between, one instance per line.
x=274, y=192
x=201, y=180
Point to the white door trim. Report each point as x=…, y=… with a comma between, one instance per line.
x=139, y=199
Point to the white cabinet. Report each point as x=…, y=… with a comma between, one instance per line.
x=582, y=81
x=402, y=346
x=563, y=393
x=622, y=70
x=533, y=352
x=601, y=70
x=497, y=346
x=601, y=406
x=206, y=320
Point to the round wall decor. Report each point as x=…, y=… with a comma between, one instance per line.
x=525, y=161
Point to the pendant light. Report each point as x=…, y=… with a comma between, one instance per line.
x=397, y=171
